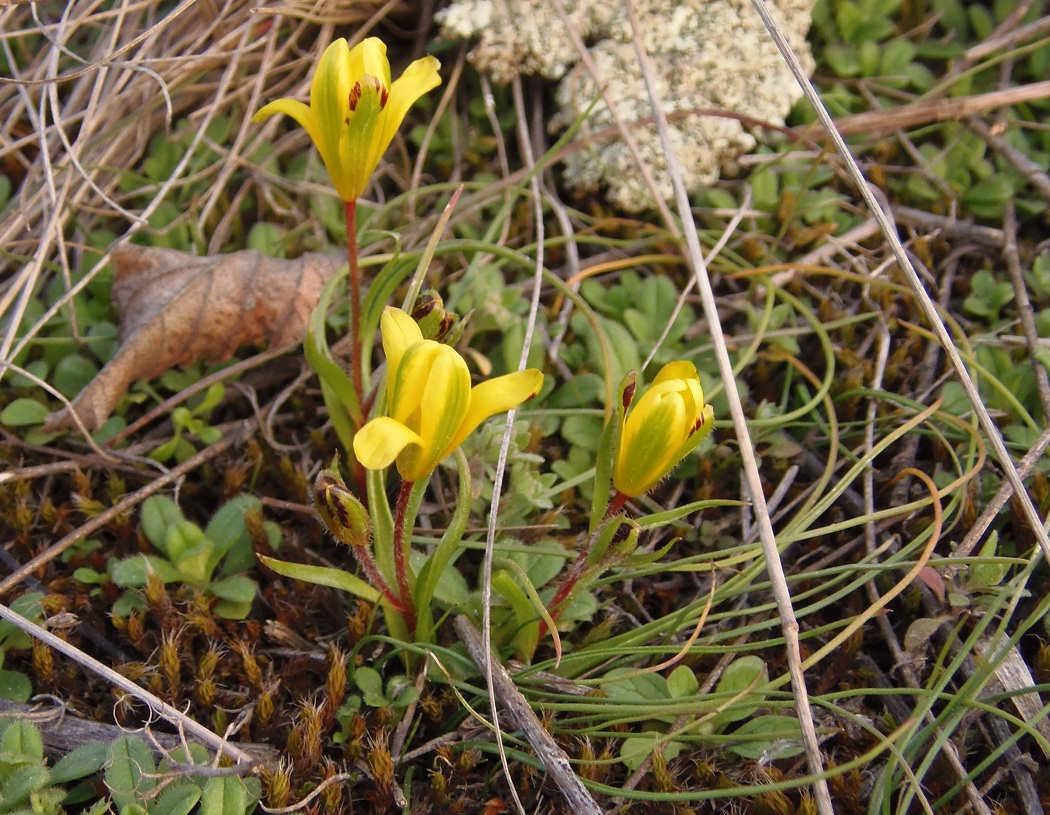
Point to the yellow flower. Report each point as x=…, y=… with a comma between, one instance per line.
x=662, y=427
x=431, y=407
x=354, y=109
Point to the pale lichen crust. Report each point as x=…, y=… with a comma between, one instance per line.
x=708, y=55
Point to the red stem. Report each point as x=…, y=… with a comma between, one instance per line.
x=572, y=577
x=364, y=557
x=400, y=561
x=356, y=363
x=356, y=360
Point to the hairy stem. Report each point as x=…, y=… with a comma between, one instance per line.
x=356, y=360
x=572, y=577
x=400, y=548
x=375, y=577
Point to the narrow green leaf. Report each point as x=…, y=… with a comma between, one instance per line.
x=324, y=576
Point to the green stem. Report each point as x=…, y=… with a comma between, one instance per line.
x=400, y=549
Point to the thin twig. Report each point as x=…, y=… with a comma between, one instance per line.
x=503, y=689
x=774, y=567
x=883, y=122
x=488, y=664
x=928, y=307
x=158, y=706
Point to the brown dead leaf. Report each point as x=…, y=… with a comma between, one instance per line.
x=176, y=308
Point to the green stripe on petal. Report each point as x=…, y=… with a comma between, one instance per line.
x=444, y=403
x=329, y=99
x=411, y=384
x=357, y=149
x=649, y=442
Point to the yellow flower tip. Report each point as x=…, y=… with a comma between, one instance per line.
x=431, y=406
x=355, y=110
x=663, y=426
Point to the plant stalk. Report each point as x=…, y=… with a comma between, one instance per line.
x=356, y=363
x=574, y=574
x=375, y=577
x=400, y=548
x=356, y=360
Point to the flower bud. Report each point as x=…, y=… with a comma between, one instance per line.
x=434, y=322
x=662, y=427
x=345, y=516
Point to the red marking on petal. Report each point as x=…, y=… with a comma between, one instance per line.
x=355, y=96
x=628, y=395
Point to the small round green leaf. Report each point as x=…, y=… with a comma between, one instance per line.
x=23, y=412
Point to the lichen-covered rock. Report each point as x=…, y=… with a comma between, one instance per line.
x=708, y=55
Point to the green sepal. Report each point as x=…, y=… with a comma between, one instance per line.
x=608, y=446
x=343, y=515
x=604, y=536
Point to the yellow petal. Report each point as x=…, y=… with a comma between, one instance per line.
x=378, y=443
x=652, y=434
x=421, y=76
x=411, y=384
x=665, y=424
x=445, y=403
x=679, y=369
x=302, y=114
x=497, y=396
x=369, y=59
x=400, y=332
x=330, y=92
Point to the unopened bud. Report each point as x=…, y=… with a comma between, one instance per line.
x=627, y=389
x=434, y=321
x=345, y=516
